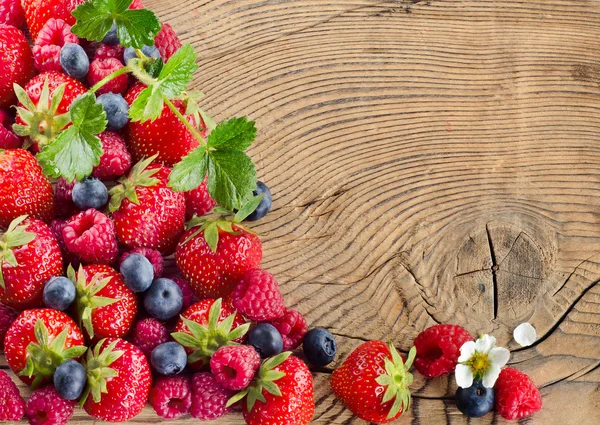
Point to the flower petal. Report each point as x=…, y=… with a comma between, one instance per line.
x=525, y=334
x=466, y=351
x=464, y=376
x=489, y=379
x=499, y=356
x=485, y=343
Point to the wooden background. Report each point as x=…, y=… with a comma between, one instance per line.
x=431, y=162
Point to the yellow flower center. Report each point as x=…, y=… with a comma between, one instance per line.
x=479, y=364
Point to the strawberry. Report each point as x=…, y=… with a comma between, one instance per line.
x=119, y=381
x=106, y=307
x=207, y=326
x=373, y=382
x=146, y=212
x=38, y=12
x=215, y=256
x=40, y=340
x=281, y=393
x=166, y=136
x=29, y=255
x=24, y=189
x=16, y=63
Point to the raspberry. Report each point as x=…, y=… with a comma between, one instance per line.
x=257, y=296
x=149, y=334
x=8, y=138
x=46, y=51
x=154, y=256
x=12, y=405
x=438, y=349
x=292, y=327
x=57, y=227
x=171, y=397
x=106, y=51
x=516, y=396
x=100, y=68
x=115, y=160
x=46, y=407
x=189, y=297
x=208, y=397
x=91, y=236
x=234, y=366
x=167, y=42
x=7, y=316
x=198, y=201
x=64, y=198
x=12, y=13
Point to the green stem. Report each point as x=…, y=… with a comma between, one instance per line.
x=108, y=78
x=185, y=121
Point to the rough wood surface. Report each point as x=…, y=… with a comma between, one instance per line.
x=431, y=161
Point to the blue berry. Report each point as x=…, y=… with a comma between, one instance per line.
x=74, y=60
x=266, y=339
x=169, y=358
x=90, y=193
x=476, y=400
x=164, y=299
x=111, y=38
x=150, y=51
x=70, y=379
x=117, y=110
x=137, y=272
x=265, y=205
x=59, y=293
x=319, y=347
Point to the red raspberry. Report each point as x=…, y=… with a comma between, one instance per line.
x=516, y=395
x=7, y=316
x=12, y=405
x=149, y=334
x=154, y=256
x=198, y=201
x=438, y=349
x=46, y=51
x=115, y=160
x=171, y=397
x=234, y=366
x=257, y=296
x=100, y=68
x=106, y=51
x=12, y=13
x=189, y=297
x=8, y=138
x=167, y=42
x=46, y=407
x=91, y=236
x=292, y=327
x=208, y=397
x=57, y=227
x=64, y=198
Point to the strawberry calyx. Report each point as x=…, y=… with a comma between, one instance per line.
x=265, y=379
x=206, y=340
x=97, y=365
x=139, y=176
x=45, y=355
x=14, y=237
x=87, y=299
x=397, y=379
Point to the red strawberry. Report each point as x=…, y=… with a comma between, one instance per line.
x=119, y=381
x=105, y=306
x=37, y=343
x=16, y=63
x=214, y=267
x=30, y=256
x=207, y=326
x=373, y=382
x=282, y=393
x=24, y=189
x=166, y=136
x=38, y=12
x=147, y=213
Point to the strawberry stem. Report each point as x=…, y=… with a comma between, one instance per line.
x=185, y=121
x=109, y=78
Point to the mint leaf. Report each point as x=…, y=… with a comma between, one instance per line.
x=234, y=134
x=231, y=178
x=189, y=173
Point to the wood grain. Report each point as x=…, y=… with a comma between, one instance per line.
x=431, y=162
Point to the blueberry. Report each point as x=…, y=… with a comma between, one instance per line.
x=265, y=205
x=111, y=38
x=137, y=272
x=169, y=358
x=266, y=339
x=117, y=110
x=90, y=193
x=319, y=347
x=59, y=293
x=164, y=299
x=150, y=51
x=74, y=60
x=70, y=379
x=476, y=400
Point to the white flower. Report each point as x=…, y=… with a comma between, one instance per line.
x=525, y=334
x=480, y=360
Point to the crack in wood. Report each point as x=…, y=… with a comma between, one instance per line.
x=494, y=269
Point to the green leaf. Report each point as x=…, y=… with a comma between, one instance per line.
x=190, y=172
x=273, y=375
x=211, y=235
x=74, y=352
x=88, y=115
x=239, y=396
x=234, y=134
x=148, y=105
x=411, y=358
x=41, y=333
x=178, y=72
x=231, y=178
x=58, y=343
x=185, y=339
x=248, y=208
x=214, y=313
x=272, y=388
x=275, y=361
x=239, y=332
